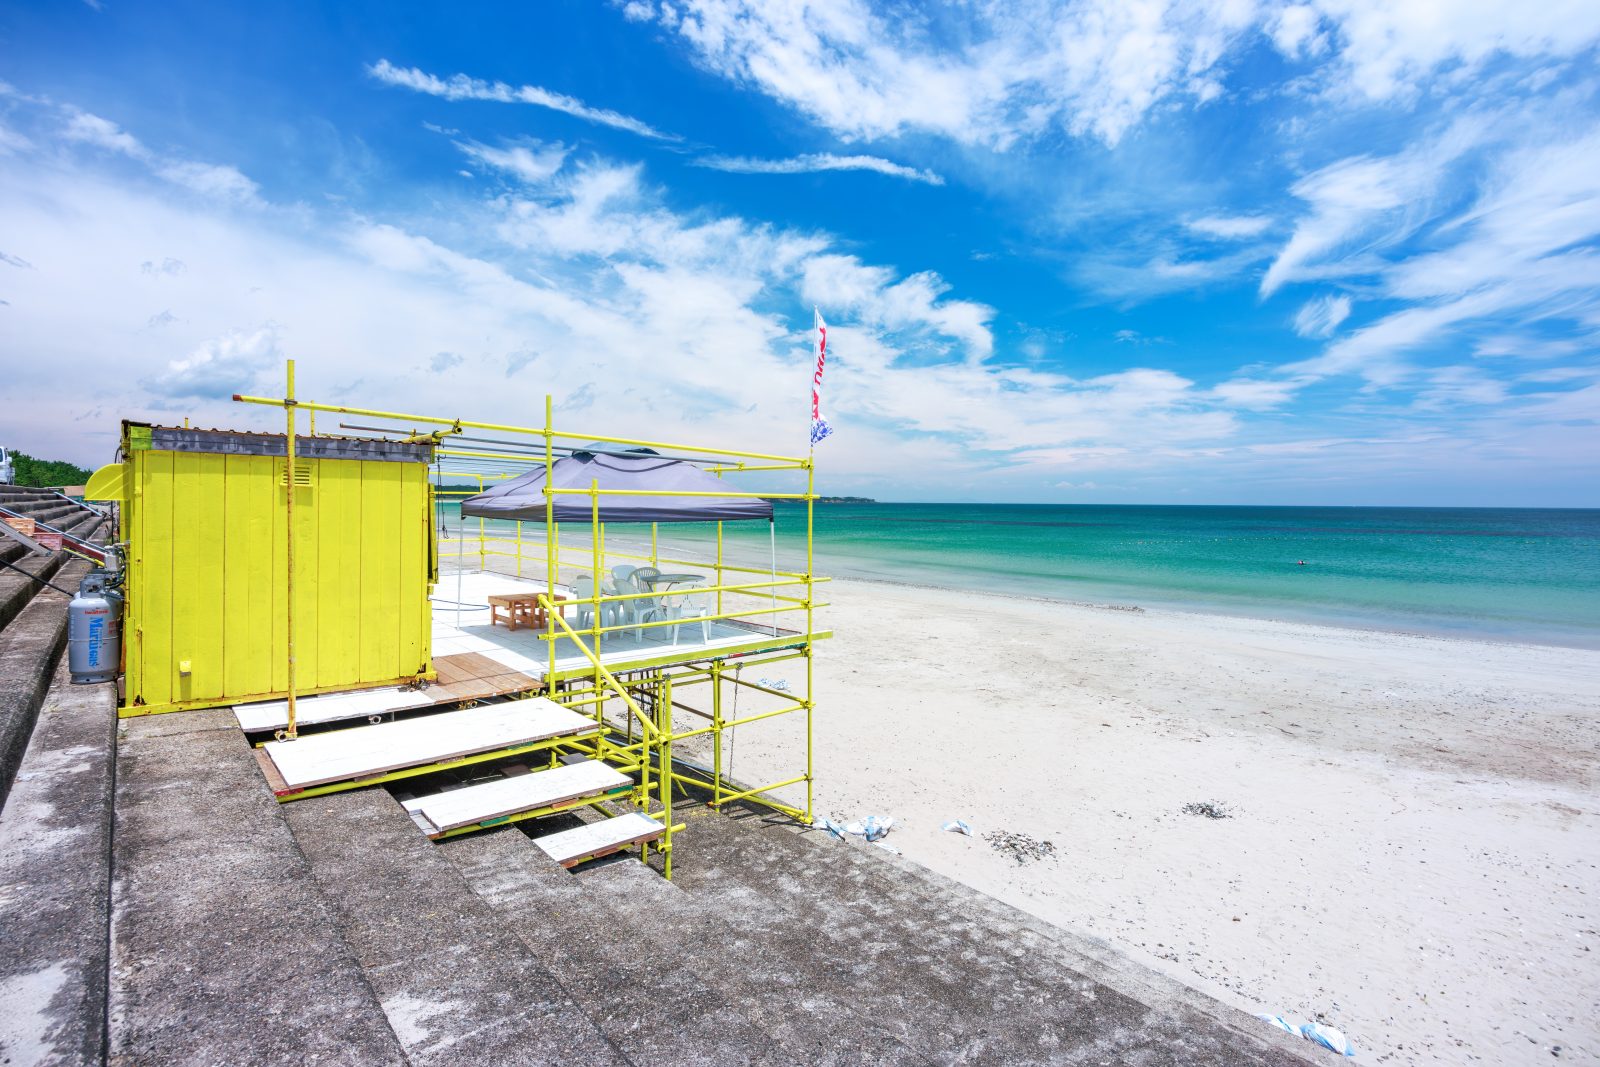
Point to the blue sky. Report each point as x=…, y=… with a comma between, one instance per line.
x=1338, y=252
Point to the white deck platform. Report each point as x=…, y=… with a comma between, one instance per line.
x=468, y=630
x=330, y=707
x=475, y=804
x=366, y=751
x=599, y=838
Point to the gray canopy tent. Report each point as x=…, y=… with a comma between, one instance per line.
x=639, y=469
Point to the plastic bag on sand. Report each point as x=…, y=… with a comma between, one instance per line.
x=1328, y=1038
x=871, y=828
x=956, y=826
x=829, y=825
x=887, y=847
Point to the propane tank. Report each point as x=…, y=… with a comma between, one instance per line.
x=94, y=629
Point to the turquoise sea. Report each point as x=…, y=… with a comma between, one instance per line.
x=1509, y=574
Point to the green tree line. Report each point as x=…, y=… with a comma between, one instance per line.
x=42, y=472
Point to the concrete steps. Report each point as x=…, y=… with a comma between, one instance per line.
x=757, y=973
x=599, y=934
x=456, y=986
x=33, y=629
x=16, y=589
x=223, y=950
x=970, y=986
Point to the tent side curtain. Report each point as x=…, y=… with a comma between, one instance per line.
x=523, y=497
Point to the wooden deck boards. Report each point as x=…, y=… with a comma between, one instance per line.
x=570, y=847
x=462, y=677
x=328, y=707
x=369, y=751
x=480, y=803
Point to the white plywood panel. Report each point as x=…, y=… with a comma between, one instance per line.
x=569, y=846
x=329, y=707
x=364, y=751
x=508, y=796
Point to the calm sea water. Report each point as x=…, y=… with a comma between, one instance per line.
x=1515, y=574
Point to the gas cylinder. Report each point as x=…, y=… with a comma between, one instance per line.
x=94, y=629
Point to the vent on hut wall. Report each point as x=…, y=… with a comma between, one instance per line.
x=302, y=474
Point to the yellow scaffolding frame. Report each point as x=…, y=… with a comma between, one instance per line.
x=642, y=740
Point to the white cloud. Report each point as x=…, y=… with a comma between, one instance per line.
x=221, y=366
x=813, y=163
x=990, y=74
x=690, y=323
x=208, y=179
x=1092, y=68
x=1230, y=227
x=530, y=161
x=1320, y=317
x=1255, y=394
x=1387, y=50
x=103, y=133
x=1519, y=253
x=462, y=87
x=696, y=326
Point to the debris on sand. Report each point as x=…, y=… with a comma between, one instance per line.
x=1020, y=847
x=1211, y=809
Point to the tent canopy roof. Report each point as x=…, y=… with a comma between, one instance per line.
x=636, y=469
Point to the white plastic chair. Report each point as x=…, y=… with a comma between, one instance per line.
x=690, y=606
x=651, y=608
x=623, y=612
x=583, y=589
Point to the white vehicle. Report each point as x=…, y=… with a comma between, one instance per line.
x=8, y=471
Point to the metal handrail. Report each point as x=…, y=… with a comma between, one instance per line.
x=551, y=612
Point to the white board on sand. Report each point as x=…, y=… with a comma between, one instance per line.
x=599, y=838
x=508, y=796
x=364, y=751
x=330, y=707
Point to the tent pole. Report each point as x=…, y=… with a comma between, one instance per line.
x=551, y=559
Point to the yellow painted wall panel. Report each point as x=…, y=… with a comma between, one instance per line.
x=280, y=558
x=255, y=536
x=197, y=507
x=338, y=569
x=154, y=621
x=413, y=563
x=236, y=574
x=308, y=642
x=206, y=577
x=380, y=570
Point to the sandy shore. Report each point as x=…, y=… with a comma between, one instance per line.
x=1414, y=823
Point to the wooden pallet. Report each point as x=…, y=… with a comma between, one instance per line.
x=369, y=752
x=593, y=840
x=496, y=801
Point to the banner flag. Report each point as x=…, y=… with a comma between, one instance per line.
x=819, y=425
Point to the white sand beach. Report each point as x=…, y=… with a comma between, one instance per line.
x=1414, y=823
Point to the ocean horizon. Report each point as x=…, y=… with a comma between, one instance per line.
x=1509, y=574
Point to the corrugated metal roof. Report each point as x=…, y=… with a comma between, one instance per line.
x=254, y=443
